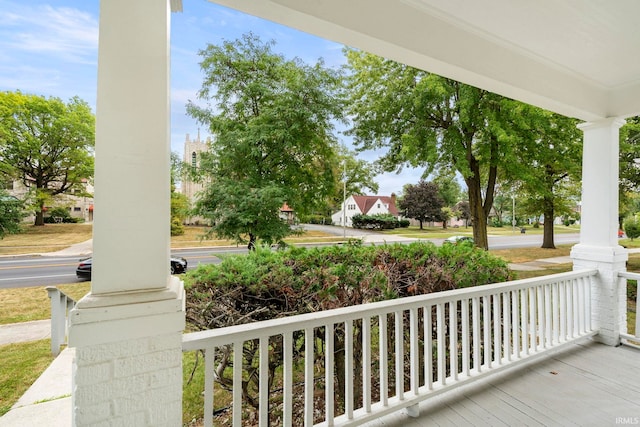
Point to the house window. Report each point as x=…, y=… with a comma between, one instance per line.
x=193, y=159
x=378, y=205
x=77, y=209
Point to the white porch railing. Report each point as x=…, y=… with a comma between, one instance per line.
x=630, y=337
x=435, y=342
x=61, y=304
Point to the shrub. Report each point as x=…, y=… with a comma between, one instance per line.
x=404, y=223
x=177, y=229
x=632, y=227
x=61, y=214
x=269, y=284
x=376, y=222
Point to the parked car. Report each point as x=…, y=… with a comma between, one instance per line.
x=83, y=271
x=454, y=240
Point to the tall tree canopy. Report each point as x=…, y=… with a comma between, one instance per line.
x=273, y=121
x=551, y=147
x=422, y=202
x=425, y=120
x=46, y=143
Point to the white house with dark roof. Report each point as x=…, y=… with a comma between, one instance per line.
x=364, y=205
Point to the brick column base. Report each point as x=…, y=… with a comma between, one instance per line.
x=608, y=292
x=128, y=364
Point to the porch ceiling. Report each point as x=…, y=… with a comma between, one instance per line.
x=575, y=57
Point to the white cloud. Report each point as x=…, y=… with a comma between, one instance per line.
x=61, y=32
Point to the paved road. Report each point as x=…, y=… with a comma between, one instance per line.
x=26, y=271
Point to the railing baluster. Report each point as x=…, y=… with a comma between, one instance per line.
x=555, y=313
x=442, y=369
x=414, y=363
x=237, y=383
x=453, y=339
x=466, y=366
x=348, y=367
x=477, y=345
x=308, y=377
x=562, y=290
x=542, y=319
x=263, y=420
x=428, y=347
x=328, y=373
x=366, y=363
x=497, y=338
x=582, y=315
x=384, y=357
x=637, y=332
x=209, y=378
x=399, y=349
x=524, y=320
x=515, y=326
x=587, y=302
x=548, y=317
x=533, y=312
x=486, y=325
x=506, y=325
x=287, y=400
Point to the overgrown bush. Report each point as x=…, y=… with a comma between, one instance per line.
x=269, y=284
x=375, y=222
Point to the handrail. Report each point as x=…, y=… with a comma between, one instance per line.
x=61, y=304
x=636, y=277
x=435, y=342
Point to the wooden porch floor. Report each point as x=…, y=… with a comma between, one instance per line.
x=587, y=384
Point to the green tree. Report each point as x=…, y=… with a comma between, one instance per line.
x=46, y=143
x=425, y=120
x=179, y=202
x=422, y=202
x=10, y=214
x=551, y=145
x=273, y=120
x=448, y=188
x=629, y=168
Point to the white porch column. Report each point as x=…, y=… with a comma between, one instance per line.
x=598, y=247
x=128, y=330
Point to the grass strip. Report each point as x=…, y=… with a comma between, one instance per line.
x=21, y=365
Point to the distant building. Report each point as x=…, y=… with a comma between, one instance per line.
x=364, y=205
x=79, y=206
x=193, y=150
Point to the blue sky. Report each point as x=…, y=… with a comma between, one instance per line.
x=49, y=48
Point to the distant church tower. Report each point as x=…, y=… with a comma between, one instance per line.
x=192, y=151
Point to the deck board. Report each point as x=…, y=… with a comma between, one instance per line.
x=588, y=384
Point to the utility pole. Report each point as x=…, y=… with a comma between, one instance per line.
x=344, y=199
x=513, y=217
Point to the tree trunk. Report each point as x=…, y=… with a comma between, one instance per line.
x=549, y=212
x=478, y=216
x=420, y=224
x=252, y=242
x=39, y=217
